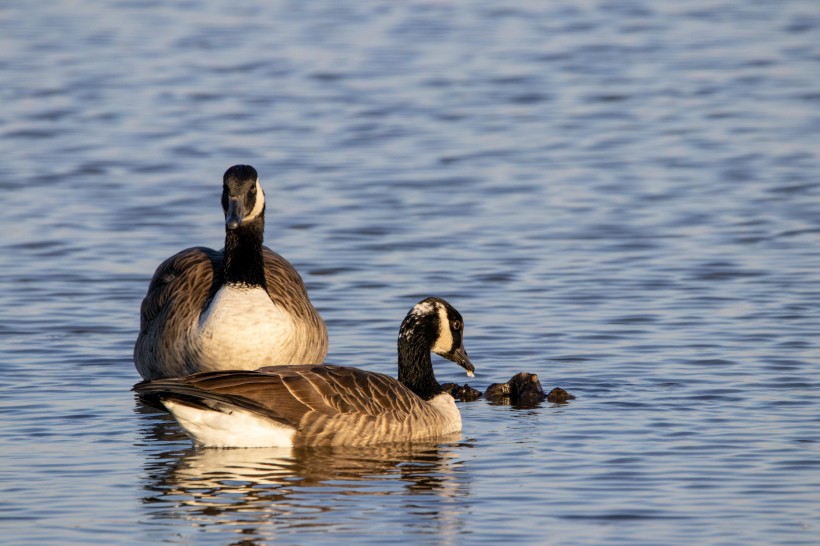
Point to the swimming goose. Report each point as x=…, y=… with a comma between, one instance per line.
x=326, y=405
x=242, y=307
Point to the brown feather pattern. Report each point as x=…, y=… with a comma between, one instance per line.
x=326, y=405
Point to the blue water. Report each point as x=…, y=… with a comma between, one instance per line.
x=622, y=197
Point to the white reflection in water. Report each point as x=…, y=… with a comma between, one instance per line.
x=260, y=492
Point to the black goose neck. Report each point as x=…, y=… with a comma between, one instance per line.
x=244, y=263
x=416, y=367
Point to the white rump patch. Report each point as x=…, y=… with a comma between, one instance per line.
x=234, y=428
x=243, y=329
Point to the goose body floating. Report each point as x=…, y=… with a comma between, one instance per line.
x=239, y=308
x=326, y=405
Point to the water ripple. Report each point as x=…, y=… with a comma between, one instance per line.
x=619, y=197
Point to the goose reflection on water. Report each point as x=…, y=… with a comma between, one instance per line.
x=261, y=491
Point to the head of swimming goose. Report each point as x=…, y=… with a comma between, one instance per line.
x=432, y=325
x=243, y=202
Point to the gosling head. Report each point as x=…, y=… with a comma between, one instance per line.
x=242, y=197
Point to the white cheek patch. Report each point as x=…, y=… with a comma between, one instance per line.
x=260, y=203
x=444, y=343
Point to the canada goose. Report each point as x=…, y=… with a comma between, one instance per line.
x=326, y=405
x=239, y=308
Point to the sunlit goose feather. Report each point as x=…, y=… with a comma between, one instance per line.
x=239, y=308
x=326, y=405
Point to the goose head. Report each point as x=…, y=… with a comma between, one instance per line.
x=432, y=325
x=242, y=197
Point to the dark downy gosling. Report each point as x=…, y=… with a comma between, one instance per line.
x=464, y=392
x=524, y=390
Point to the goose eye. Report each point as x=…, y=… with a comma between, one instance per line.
x=456, y=325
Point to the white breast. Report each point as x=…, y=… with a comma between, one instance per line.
x=243, y=329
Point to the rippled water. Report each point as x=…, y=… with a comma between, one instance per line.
x=619, y=196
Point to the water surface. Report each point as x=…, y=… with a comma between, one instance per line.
x=622, y=197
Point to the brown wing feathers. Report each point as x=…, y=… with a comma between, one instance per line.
x=286, y=288
x=191, y=272
x=288, y=393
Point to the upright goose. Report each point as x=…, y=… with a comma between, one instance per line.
x=239, y=308
x=326, y=405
